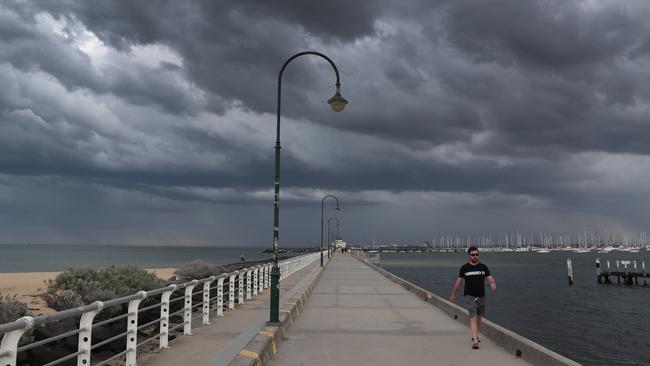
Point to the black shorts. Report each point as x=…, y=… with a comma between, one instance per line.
x=475, y=305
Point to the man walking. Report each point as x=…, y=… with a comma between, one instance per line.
x=474, y=274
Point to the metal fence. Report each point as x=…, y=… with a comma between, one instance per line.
x=218, y=293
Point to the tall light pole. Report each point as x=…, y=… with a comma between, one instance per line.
x=329, y=231
x=322, y=205
x=337, y=102
x=335, y=230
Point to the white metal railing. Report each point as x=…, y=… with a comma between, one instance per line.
x=236, y=285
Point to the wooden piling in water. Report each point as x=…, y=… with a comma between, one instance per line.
x=569, y=269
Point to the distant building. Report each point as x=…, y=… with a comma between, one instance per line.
x=340, y=244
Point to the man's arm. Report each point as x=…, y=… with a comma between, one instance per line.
x=452, y=298
x=492, y=283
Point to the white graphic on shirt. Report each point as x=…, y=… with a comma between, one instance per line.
x=475, y=273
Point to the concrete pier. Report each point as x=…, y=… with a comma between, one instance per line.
x=351, y=313
x=356, y=316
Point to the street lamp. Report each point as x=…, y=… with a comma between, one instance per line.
x=322, y=205
x=334, y=231
x=329, y=231
x=337, y=102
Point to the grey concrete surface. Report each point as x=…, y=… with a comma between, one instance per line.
x=513, y=343
x=356, y=316
x=207, y=343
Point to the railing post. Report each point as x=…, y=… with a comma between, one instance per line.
x=85, y=335
x=242, y=273
x=187, y=314
x=132, y=330
x=267, y=276
x=9, y=346
x=164, y=316
x=249, y=283
x=220, y=295
x=262, y=277
x=256, y=273
x=206, y=300
x=231, y=297
x=264, y=285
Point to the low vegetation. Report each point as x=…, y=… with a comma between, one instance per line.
x=81, y=286
x=12, y=309
x=198, y=269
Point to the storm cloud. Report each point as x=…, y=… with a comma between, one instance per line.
x=154, y=122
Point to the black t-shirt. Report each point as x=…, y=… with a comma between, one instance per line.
x=474, y=276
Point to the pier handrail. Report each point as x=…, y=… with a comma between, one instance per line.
x=241, y=285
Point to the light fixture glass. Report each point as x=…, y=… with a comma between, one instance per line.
x=337, y=102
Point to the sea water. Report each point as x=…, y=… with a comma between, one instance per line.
x=49, y=257
x=588, y=322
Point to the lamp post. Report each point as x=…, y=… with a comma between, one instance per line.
x=337, y=102
x=335, y=230
x=329, y=232
x=322, y=205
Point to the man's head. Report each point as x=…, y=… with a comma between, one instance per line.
x=473, y=254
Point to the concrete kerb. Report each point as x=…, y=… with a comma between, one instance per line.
x=265, y=343
x=512, y=342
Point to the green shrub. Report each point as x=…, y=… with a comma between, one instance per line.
x=82, y=286
x=68, y=299
x=128, y=280
x=197, y=269
x=12, y=309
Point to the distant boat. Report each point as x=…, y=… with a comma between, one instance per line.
x=582, y=250
x=543, y=251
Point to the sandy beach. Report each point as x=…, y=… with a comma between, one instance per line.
x=28, y=286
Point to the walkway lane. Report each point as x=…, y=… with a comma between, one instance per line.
x=209, y=343
x=356, y=316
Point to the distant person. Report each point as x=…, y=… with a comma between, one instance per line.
x=243, y=259
x=474, y=274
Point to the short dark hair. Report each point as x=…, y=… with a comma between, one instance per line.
x=471, y=249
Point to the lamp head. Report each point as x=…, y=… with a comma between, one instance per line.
x=337, y=102
x=338, y=209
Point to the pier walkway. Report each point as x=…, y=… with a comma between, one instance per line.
x=219, y=343
x=356, y=316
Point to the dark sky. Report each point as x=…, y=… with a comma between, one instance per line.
x=153, y=122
